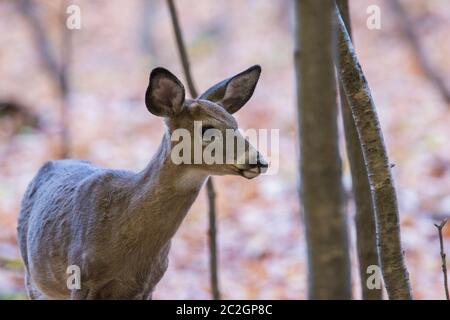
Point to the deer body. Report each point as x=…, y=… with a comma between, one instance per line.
x=115, y=225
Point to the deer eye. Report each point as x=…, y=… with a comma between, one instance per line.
x=206, y=128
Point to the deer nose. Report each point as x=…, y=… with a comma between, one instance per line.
x=261, y=162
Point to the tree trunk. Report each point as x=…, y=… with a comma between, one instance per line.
x=320, y=165
x=377, y=163
x=365, y=213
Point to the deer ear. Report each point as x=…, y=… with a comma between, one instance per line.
x=165, y=93
x=233, y=93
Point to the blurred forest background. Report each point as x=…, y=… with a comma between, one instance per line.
x=261, y=240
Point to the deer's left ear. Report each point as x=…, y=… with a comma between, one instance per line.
x=165, y=93
x=233, y=93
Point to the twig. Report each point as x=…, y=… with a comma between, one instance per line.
x=57, y=71
x=408, y=30
x=44, y=48
x=182, y=49
x=444, y=264
x=64, y=80
x=209, y=185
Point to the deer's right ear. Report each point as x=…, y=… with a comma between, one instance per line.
x=233, y=93
x=165, y=94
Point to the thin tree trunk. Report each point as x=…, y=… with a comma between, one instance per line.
x=212, y=235
x=366, y=240
x=212, y=232
x=64, y=81
x=320, y=165
x=395, y=274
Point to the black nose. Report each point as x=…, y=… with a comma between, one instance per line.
x=261, y=163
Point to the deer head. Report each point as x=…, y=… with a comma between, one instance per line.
x=207, y=120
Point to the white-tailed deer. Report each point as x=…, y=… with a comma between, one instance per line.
x=116, y=225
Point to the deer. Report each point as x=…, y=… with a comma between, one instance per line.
x=116, y=225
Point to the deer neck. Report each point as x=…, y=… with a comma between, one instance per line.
x=163, y=194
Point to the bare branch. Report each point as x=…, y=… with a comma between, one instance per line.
x=408, y=30
x=42, y=43
x=444, y=264
x=64, y=79
x=182, y=49
x=209, y=185
x=57, y=71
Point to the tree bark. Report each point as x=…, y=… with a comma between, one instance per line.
x=320, y=165
x=395, y=274
x=365, y=213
